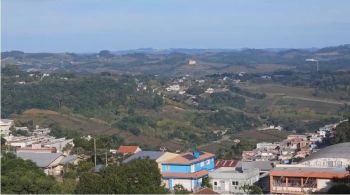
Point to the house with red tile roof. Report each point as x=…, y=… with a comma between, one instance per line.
x=187, y=169
x=128, y=150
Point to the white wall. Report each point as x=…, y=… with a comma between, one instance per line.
x=186, y=183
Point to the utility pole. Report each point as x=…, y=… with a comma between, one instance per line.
x=106, y=159
x=95, y=150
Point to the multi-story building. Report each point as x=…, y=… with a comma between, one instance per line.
x=303, y=180
x=187, y=169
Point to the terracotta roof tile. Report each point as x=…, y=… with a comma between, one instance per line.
x=205, y=191
x=305, y=172
x=127, y=149
x=197, y=174
x=182, y=160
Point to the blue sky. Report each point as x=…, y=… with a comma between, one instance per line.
x=93, y=25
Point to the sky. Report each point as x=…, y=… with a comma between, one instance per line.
x=94, y=25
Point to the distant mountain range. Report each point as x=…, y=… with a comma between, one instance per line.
x=175, y=60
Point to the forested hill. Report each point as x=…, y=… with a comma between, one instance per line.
x=175, y=61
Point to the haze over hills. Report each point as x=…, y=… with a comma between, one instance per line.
x=176, y=61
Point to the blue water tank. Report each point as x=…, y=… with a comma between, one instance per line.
x=196, y=154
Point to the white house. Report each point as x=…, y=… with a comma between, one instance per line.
x=192, y=62
x=173, y=88
x=5, y=125
x=230, y=180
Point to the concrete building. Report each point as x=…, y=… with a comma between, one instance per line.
x=59, y=143
x=229, y=180
x=5, y=125
x=187, y=169
x=37, y=148
x=303, y=180
x=337, y=155
x=173, y=88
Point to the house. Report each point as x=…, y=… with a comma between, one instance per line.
x=49, y=162
x=209, y=90
x=173, y=88
x=192, y=62
x=264, y=168
x=187, y=169
x=231, y=179
x=303, y=180
x=128, y=149
x=5, y=125
x=249, y=155
x=158, y=156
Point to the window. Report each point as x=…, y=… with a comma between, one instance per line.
x=235, y=183
x=215, y=183
x=207, y=162
x=202, y=164
x=167, y=167
x=339, y=163
x=192, y=168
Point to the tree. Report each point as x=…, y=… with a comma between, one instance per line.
x=206, y=182
x=19, y=176
x=180, y=189
x=90, y=183
x=84, y=166
x=339, y=189
x=3, y=141
x=342, y=132
x=138, y=176
x=252, y=189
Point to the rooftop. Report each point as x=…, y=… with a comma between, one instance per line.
x=341, y=150
x=40, y=159
x=188, y=158
x=231, y=172
x=153, y=155
x=261, y=165
x=127, y=149
x=310, y=172
x=205, y=191
x=194, y=175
